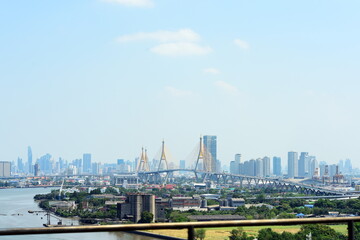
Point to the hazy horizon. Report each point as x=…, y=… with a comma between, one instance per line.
x=107, y=77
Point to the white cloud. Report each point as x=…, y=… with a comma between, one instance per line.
x=132, y=3
x=242, y=44
x=180, y=49
x=177, y=92
x=182, y=35
x=226, y=87
x=211, y=71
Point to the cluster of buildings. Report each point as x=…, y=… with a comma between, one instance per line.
x=47, y=165
x=137, y=203
x=298, y=166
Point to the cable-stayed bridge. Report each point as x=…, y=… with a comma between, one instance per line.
x=203, y=172
x=156, y=177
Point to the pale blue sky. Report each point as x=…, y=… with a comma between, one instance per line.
x=110, y=76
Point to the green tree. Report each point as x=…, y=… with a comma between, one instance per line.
x=96, y=191
x=146, y=217
x=268, y=234
x=319, y=232
x=260, y=198
x=200, y=233
x=239, y=234
x=177, y=216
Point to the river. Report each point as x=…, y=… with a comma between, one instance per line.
x=15, y=204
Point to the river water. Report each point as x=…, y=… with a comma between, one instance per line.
x=15, y=204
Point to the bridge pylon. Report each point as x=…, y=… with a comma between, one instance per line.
x=144, y=162
x=205, y=157
x=163, y=159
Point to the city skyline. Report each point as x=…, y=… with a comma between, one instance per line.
x=108, y=77
x=296, y=160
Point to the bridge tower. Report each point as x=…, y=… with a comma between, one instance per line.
x=163, y=158
x=144, y=162
x=205, y=157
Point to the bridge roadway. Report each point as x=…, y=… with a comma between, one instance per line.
x=163, y=176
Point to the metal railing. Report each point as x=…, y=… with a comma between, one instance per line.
x=190, y=226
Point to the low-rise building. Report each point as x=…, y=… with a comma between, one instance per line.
x=63, y=205
x=236, y=202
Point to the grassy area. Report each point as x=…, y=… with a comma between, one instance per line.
x=223, y=233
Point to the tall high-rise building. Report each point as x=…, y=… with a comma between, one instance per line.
x=95, y=168
x=313, y=166
x=182, y=164
x=237, y=163
x=20, y=165
x=259, y=168
x=266, y=168
x=45, y=164
x=347, y=166
x=302, y=163
x=30, y=160
x=277, y=166
x=233, y=167
x=5, y=169
x=292, y=164
x=210, y=146
x=87, y=163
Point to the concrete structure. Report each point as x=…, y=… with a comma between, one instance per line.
x=63, y=205
x=5, y=169
x=126, y=180
x=236, y=202
x=134, y=205
x=185, y=203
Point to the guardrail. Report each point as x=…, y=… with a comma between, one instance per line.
x=190, y=226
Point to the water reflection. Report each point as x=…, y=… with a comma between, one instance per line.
x=14, y=207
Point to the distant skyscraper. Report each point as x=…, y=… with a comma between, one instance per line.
x=277, y=166
x=292, y=164
x=341, y=166
x=210, y=145
x=251, y=168
x=259, y=168
x=30, y=160
x=266, y=164
x=87, y=163
x=182, y=164
x=45, y=164
x=20, y=165
x=237, y=163
x=95, y=168
x=233, y=167
x=313, y=166
x=348, y=166
x=302, y=163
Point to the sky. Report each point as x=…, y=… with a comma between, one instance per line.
x=110, y=76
